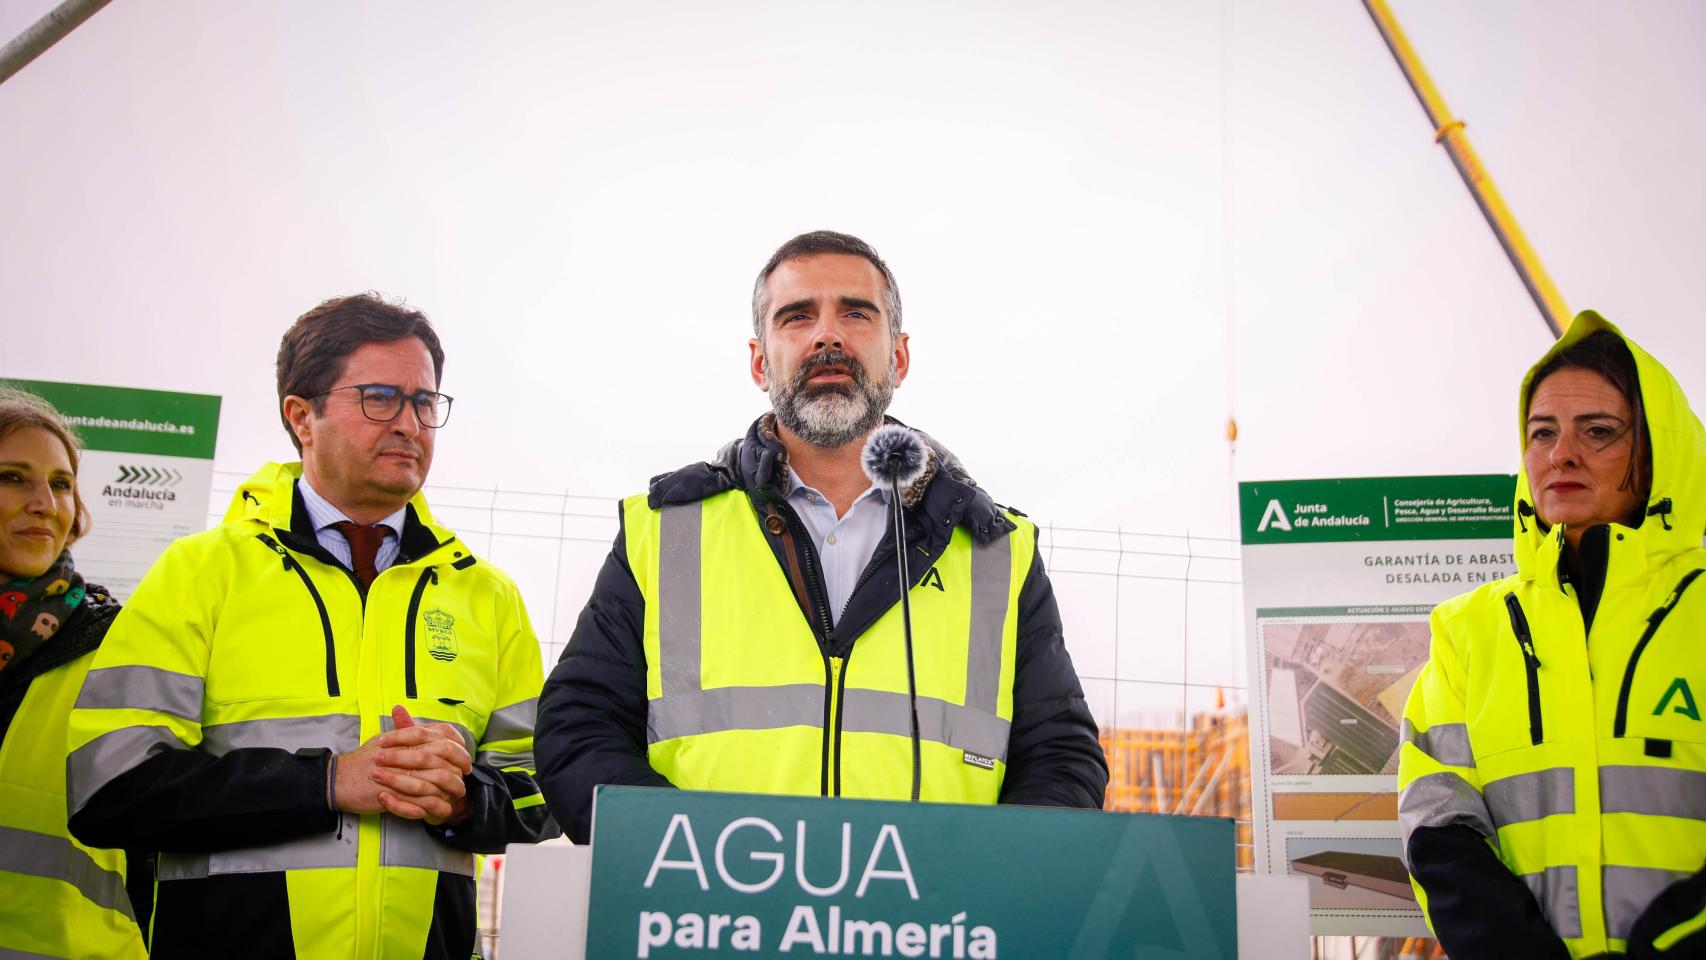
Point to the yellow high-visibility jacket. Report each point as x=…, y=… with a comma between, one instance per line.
x=245, y=657
x=742, y=697
x=1571, y=759
x=58, y=898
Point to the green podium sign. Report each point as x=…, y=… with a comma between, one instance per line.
x=678, y=875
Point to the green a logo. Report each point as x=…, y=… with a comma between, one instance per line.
x=1686, y=707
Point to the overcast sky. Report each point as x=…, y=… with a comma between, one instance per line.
x=1114, y=224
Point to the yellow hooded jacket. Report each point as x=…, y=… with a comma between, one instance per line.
x=245, y=657
x=58, y=898
x=1564, y=763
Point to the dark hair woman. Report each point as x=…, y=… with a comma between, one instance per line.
x=58, y=898
x=1553, y=773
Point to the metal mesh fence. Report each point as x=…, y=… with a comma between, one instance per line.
x=1152, y=620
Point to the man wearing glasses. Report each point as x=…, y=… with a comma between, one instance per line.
x=321, y=709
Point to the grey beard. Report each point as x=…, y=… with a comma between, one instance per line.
x=831, y=416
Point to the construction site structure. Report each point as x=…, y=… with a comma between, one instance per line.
x=1203, y=770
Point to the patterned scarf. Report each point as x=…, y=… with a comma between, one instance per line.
x=32, y=610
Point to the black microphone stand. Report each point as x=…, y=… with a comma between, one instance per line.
x=906, y=621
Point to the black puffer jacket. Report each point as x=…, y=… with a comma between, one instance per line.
x=592, y=714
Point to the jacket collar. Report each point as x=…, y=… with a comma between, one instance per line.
x=270, y=497
x=757, y=463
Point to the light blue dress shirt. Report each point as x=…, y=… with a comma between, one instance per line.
x=845, y=544
x=323, y=515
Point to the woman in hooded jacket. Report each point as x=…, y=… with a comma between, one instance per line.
x=1552, y=779
x=58, y=898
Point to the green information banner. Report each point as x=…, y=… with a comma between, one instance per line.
x=145, y=474
x=1340, y=577
x=126, y=420
x=1377, y=508
x=678, y=874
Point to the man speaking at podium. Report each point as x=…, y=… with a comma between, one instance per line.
x=747, y=633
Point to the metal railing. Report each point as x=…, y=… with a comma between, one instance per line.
x=1153, y=622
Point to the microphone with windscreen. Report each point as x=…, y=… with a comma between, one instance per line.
x=894, y=457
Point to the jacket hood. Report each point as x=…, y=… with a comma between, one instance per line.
x=1675, y=512
x=269, y=497
x=758, y=464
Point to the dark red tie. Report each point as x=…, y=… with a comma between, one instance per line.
x=363, y=548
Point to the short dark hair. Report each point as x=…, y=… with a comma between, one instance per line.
x=1606, y=354
x=316, y=348
x=819, y=242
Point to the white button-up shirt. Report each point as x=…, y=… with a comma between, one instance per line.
x=844, y=544
x=323, y=515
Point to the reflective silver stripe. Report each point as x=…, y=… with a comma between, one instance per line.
x=1531, y=796
x=6, y=954
x=1440, y=800
x=679, y=620
x=57, y=858
x=684, y=709
x=1447, y=743
x=339, y=732
x=333, y=849
x=991, y=580
x=735, y=708
x=1655, y=791
x=406, y=843
x=963, y=728
x=467, y=735
x=498, y=760
x=1555, y=890
x=514, y=722
x=143, y=688
x=95, y=764
x=1629, y=891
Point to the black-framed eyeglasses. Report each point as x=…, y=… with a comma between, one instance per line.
x=381, y=402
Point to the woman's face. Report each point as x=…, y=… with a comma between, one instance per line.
x=1581, y=436
x=36, y=502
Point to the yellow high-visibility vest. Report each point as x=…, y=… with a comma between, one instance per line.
x=742, y=698
x=58, y=898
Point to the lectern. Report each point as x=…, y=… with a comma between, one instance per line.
x=679, y=875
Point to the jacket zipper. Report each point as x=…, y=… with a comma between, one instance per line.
x=836, y=667
x=290, y=563
x=430, y=573
x=1519, y=624
x=1653, y=620
x=831, y=665
x=878, y=560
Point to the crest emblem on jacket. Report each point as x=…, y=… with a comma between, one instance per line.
x=441, y=635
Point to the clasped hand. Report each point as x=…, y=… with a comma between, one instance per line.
x=413, y=771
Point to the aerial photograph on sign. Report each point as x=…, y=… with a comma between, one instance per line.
x=1336, y=693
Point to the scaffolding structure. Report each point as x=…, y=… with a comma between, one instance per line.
x=1203, y=771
